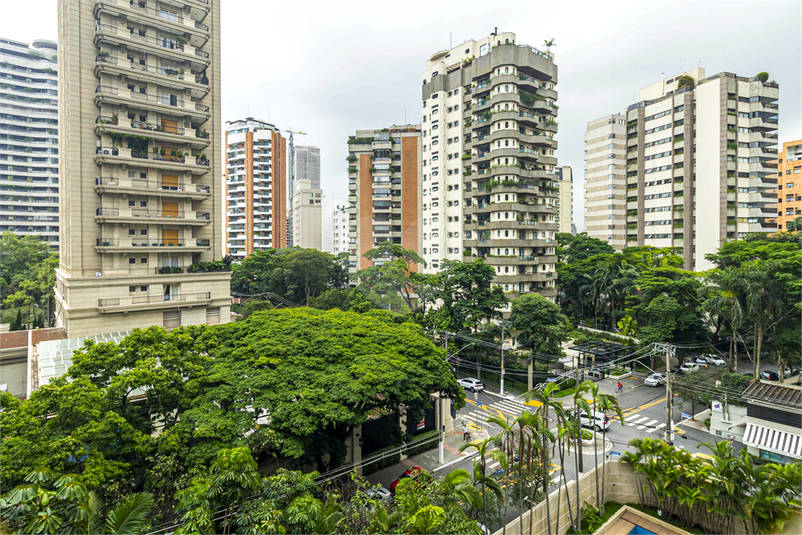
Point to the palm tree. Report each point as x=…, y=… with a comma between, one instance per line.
x=459, y=488
x=579, y=404
x=593, y=388
x=480, y=470
x=607, y=403
x=565, y=432
x=543, y=396
x=548, y=44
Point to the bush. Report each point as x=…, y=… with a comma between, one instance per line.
x=215, y=265
x=685, y=81
x=762, y=76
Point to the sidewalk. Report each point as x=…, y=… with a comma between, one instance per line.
x=429, y=460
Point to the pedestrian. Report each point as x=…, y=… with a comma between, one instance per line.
x=620, y=387
x=465, y=434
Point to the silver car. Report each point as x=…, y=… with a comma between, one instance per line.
x=655, y=379
x=474, y=385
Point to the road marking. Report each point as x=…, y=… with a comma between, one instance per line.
x=651, y=423
x=638, y=421
x=657, y=428
x=510, y=405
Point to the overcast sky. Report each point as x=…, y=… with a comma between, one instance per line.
x=330, y=68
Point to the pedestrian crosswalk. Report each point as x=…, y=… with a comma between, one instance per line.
x=640, y=422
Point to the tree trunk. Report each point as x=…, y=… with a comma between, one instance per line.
x=758, y=348
x=596, y=459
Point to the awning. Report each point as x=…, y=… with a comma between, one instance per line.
x=773, y=440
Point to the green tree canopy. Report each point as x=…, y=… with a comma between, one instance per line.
x=541, y=324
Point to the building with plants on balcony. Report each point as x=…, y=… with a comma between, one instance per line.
x=256, y=187
x=789, y=184
x=140, y=204
x=702, y=162
x=489, y=174
x=29, y=139
x=383, y=191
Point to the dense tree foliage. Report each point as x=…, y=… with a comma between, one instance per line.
x=27, y=277
x=542, y=326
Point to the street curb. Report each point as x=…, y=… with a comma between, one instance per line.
x=455, y=461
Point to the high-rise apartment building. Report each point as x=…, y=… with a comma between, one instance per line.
x=489, y=169
x=789, y=184
x=306, y=215
x=384, y=190
x=29, y=139
x=256, y=187
x=141, y=198
x=701, y=163
x=606, y=180
x=565, y=208
x=334, y=223
x=307, y=165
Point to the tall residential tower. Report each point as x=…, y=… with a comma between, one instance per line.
x=29, y=140
x=789, y=187
x=701, y=163
x=489, y=166
x=606, y=180
x=256, y=187
x=139, y=154
x=384, y=190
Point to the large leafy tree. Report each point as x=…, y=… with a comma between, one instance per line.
x=27, y=277
x=395, y=282
x=572, y=248
x=315, y=375
x=308, y=273
x=542, y=326
x=467, y=295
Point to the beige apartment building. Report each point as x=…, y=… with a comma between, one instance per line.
x=141, y=198
x=384, y=191
x=489, y=175
x=565, y=209
x=701, y=163
x=256, y=187
x=307, y=211
x=789, y=187
x=606, y=180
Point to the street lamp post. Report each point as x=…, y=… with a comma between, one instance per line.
x=504, y=324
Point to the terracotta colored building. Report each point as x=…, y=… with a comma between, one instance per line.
x=789, y=184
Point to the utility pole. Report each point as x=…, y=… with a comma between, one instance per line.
x=669, y=351
x=504, y=324
x=579, y=419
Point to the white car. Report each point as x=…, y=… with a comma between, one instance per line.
x=599, y=420
x=655, y=379
x=715, y=360
x=379, y=493
x=474, y=385
x=689, y=367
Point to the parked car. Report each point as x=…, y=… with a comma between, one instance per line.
x=474, y=385
x=701, y=361
x=655, y=379
x=689, y=367
x=679, y=372
x=767, y=375
x=409, y=473
x=599, y=420
x=380, y=493
x=715, y=360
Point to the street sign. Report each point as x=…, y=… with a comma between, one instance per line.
x=615, y=453
x=551, y=420
x=479, y=403
x=422, y=424
x=686, y=415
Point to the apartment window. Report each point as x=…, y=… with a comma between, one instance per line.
x=131, y=232
x=131, y=289
x=143, y=260
x=132, y=260
x=789, y=184
x=144, y=289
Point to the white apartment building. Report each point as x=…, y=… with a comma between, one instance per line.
x=489, y=175
x=29, y=139
x=606, y=180
x=565, y=207
x=334, y=226
x=701, y=163
x=139, y=154
x=306, y=215
x=256, y=187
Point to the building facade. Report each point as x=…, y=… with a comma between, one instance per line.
x=606, y=180
x=330, y=224
x=789, y=184
x=306, y=215
x=701, y=163
x=307, y=165
x=256, y=187
x=565, y=207
x=489, y=175
x=773, y=421
x=140, y=198
x=29, y=140
x=384, y=190
x=339, y=234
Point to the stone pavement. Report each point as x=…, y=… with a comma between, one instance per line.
x=430, y=460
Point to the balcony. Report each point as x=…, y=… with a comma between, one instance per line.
x=196, y=192
x=124, y=156
x=140, y=243
x=143, y=215
x=171, y=104
x=158, y=18
x=175, y=134
x=173, y=77
x=161, y=46
x=153, y=302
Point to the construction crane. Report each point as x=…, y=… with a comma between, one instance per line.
x=291, y=132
